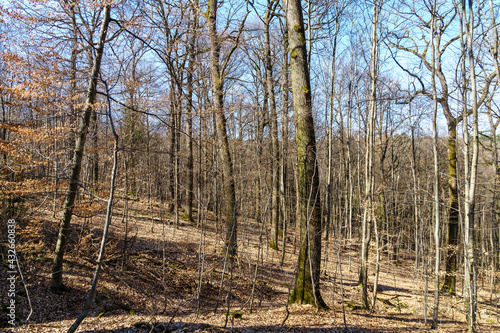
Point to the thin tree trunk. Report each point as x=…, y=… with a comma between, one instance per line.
x=452, y=239
x=92, y=293
x=329, y=122
x=496, y=166
x=377, y=266
x=470, y=283
x=64, y=228
x=190, y=111
x=275, y=188
x=284, y=139
x=368, y=215
x=436, y=172
x=171, y=175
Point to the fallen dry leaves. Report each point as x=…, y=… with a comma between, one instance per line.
x=153, y=286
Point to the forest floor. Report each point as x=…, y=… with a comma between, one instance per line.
x=153, y=286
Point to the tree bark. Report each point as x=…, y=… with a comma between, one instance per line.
x=435, y=138
x=109, y=207
x=64, y=228
x=470, y=283
x=306, y=288
x=368, y=215
x=496, y=166
x=275, y=188
x=189, y=120
x=284, y=139
x=452, y=239
x=216, y=74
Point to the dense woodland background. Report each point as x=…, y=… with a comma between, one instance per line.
x=163, y=117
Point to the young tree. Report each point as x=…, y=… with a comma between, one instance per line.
x=436, y=169
x=275, y=188
x=470, y=283
x=368, y=214
x=190, y=111
x=494, y=41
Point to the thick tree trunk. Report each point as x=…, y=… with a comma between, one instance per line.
x=306, y=288
x=64, y=228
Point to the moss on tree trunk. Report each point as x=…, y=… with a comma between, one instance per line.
x=306, y=287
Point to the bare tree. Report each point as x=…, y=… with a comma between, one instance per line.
x=64, y=228
x=436, y=168
x=217, y=74
x=306, y=287
x=470, y=283
x=368, y=214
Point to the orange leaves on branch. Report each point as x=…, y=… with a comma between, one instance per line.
x=35, y=82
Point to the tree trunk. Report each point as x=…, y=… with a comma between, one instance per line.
x=225, y=154
x=452, y=239
x=496, y=204
x=171, y=171
x=275, y=188
x=470, y=283
x=64, y=228
x=306, y=288
x=107, y=223
x=284, y=139
x=435, y=138
x=189, y=120
x=368, y=215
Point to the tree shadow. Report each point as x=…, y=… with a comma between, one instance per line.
x=190, y=327
x=404, y=318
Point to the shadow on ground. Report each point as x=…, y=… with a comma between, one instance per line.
x=187, y=327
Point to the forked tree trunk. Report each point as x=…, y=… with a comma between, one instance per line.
x=306, y=287
x=64, y=228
